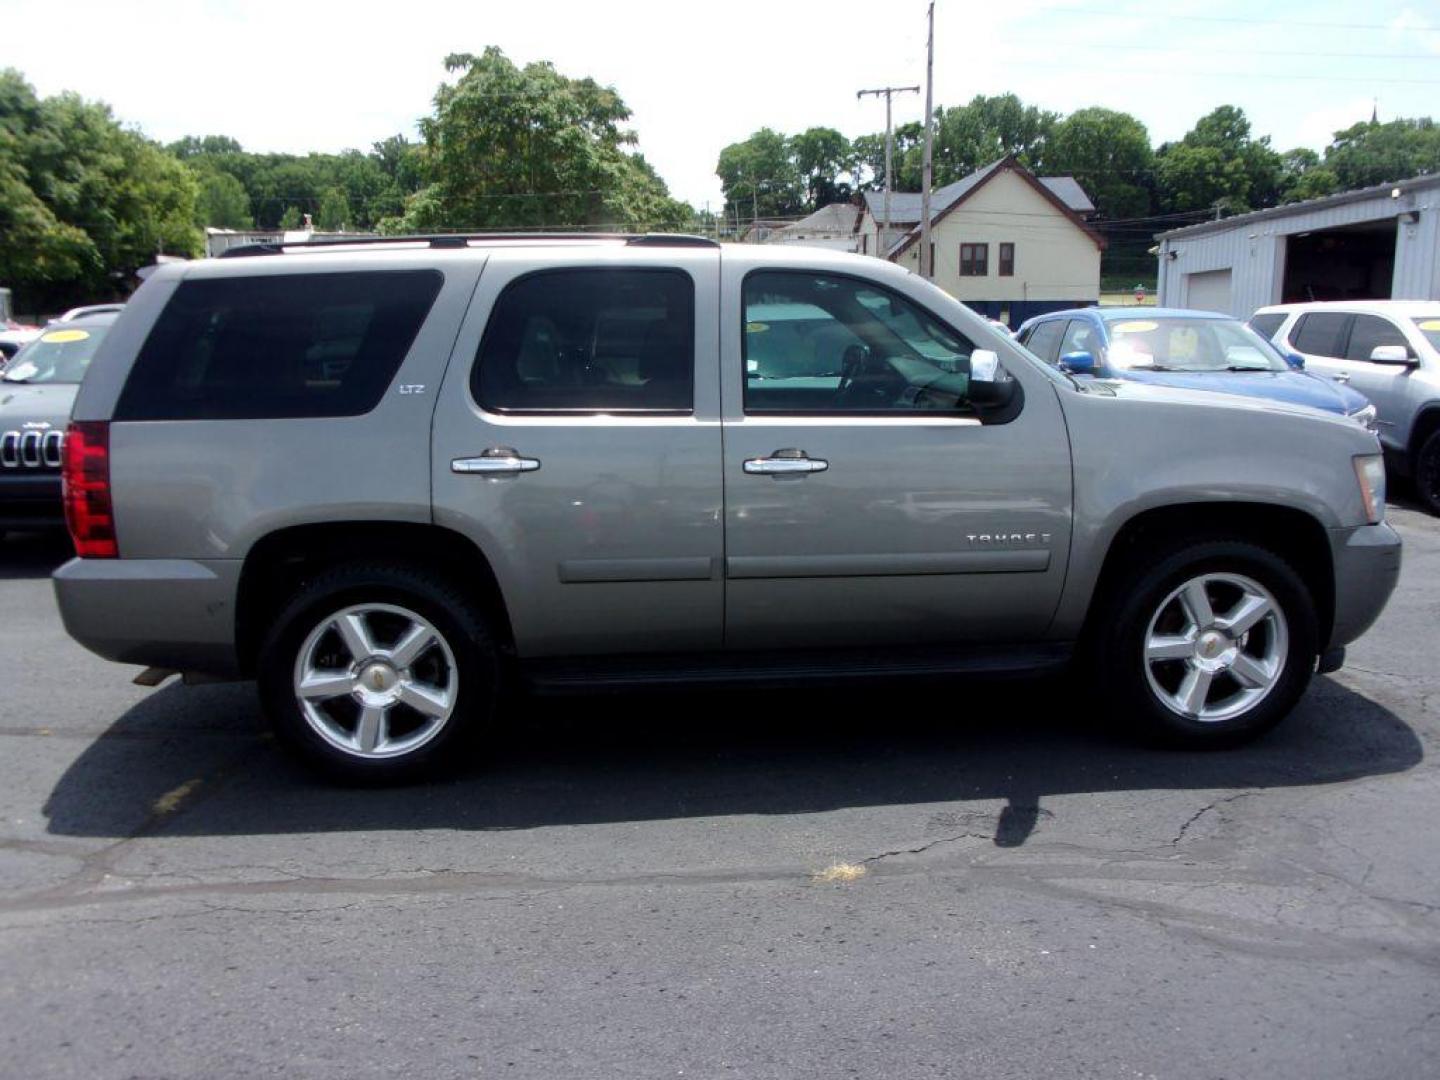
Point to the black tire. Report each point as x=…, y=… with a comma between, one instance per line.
x=1120, y=668
x=417, y=591
x=1427, y=473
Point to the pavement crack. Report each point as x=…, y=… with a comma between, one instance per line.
x=1184, y=828
x=925, y=847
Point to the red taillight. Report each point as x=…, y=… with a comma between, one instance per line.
x=85, y=477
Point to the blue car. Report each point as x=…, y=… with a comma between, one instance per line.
x=1197, y=350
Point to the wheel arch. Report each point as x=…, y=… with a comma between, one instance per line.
x=1426, y=423
x=1293, y=534
x=280, y=562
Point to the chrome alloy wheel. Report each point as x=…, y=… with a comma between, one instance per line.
x=1215, y=647
x=376, y=680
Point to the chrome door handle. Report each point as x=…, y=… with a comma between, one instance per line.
x=1341, y=376
x=497, y=461
x=785, y=463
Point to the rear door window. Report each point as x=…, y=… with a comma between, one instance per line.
x=590, y=340
x=1321, y=333
x=1370, y=332
x=1266, y=325
x=282, y=345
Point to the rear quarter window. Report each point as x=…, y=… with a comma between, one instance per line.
x=278, y=346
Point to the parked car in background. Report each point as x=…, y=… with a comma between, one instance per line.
x=384, y=480
x=37, y=389
x=1198, y=350
x=89, y=309
x=1389, y=350
x=14, y=337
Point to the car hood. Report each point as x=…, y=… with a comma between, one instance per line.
x=1210, y=397
x=1291, y=387
x=24, y=402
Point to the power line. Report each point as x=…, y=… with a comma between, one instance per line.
x=1314, y=25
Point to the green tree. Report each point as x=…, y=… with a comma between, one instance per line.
x=909, y=145
x=1109, y=153
x=291, y=218
x=1302, y=176
x=86, y=201
x=222, y=201
x=970, y=136
x=822, y=156
x=516, y=147
x=759, y=177
x=334, y=212
x=1218, y=163
x=194, y=146
x=1369, y=153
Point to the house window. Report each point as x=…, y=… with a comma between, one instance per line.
x=974, y=260
x=1007, y=260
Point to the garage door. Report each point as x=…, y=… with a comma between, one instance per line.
x=1209, y=291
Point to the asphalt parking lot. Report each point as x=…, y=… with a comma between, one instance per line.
x=627, y=886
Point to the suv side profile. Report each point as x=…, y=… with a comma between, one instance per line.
x=1389, y=350
x=382, y=478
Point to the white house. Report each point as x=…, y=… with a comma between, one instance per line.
x=1007, y=243
x=833, y=227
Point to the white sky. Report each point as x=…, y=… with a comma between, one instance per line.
x=324, y=75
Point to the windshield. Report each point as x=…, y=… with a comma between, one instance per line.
x=1429, y=325
x=57, y=356
x=1180, y=344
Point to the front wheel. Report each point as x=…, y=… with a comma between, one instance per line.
x=1210, y=646
x=378, y=673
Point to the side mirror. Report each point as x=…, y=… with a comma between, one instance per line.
x=1078, y=363
x=1295, y=360
x=1391, y=354
x=993, y=393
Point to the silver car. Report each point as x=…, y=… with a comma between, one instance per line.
x=384, y=477
x=1389, y=350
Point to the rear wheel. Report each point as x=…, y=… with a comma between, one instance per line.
x=1209, y=646
x=1427, y=473
x=378, y=673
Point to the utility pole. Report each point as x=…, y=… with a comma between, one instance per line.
x=888, y=91
x=927, y=271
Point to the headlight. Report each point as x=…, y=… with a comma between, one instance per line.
x=1370, y=473
x=1365, y=418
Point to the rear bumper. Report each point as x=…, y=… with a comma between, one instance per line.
x=170, y=613
x=1367, y=565
x=30, y=501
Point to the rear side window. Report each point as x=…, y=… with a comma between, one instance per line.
x=1369, y=333
x=1266, y=325
x=1321, y=333
x=590, y=340
x=1044, y=340
x=285, y=345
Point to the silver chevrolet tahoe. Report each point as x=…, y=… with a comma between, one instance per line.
x=384, y=478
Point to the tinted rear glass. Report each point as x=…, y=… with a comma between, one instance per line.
x=1319, y=333
x=286, y=345
x=1044, y=339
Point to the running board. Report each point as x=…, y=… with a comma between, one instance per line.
x=580, y=675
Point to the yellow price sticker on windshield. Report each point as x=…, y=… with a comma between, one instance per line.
x=1430, y=325
x=1133, y=327
x=756, y=327
x=60, y=337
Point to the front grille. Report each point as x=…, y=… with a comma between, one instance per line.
x=31, y=449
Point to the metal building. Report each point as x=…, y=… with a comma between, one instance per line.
x=1379, y=243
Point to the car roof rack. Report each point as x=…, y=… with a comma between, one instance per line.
x=461, y=240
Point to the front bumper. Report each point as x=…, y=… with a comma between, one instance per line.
x=169, y=613
x=30, y=500
x=1367, y=566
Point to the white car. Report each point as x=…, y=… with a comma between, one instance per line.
x=1389, y=350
